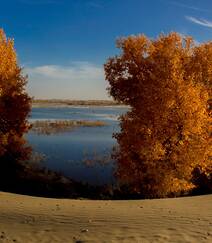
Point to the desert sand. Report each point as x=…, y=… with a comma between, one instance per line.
x=32, y=219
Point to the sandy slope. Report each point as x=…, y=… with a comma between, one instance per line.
x=30, y=219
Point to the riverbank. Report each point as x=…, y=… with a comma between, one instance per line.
x=32, y=219
x=74, y=103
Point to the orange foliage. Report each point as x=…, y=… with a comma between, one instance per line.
x=165, y=135
x=14, y=105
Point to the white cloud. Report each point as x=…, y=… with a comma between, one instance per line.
x=80, y=80
x=202, y=22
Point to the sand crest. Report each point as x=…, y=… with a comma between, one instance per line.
x=30, y=219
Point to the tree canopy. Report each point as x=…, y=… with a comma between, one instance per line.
x=165, y=135
x=14, y=104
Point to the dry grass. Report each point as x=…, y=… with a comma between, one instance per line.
x=49, y=127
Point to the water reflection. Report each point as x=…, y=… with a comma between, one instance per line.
x=68, y=151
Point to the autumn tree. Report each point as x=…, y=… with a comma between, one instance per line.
x=165, y=135
x=14, y=107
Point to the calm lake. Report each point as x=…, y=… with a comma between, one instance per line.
x=67, y=152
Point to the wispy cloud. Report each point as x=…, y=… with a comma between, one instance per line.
x=202, y=22
x=190, y=7
x=80, y=80
x=93, y=4
x=40, y=2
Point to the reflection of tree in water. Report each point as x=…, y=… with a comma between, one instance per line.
x=102, y=163
x=95, y=158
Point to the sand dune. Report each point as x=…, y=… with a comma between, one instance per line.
x=30, y=219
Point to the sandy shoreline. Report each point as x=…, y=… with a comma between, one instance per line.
x=30, y=219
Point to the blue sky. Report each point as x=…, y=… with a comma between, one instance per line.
x=62, y=44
